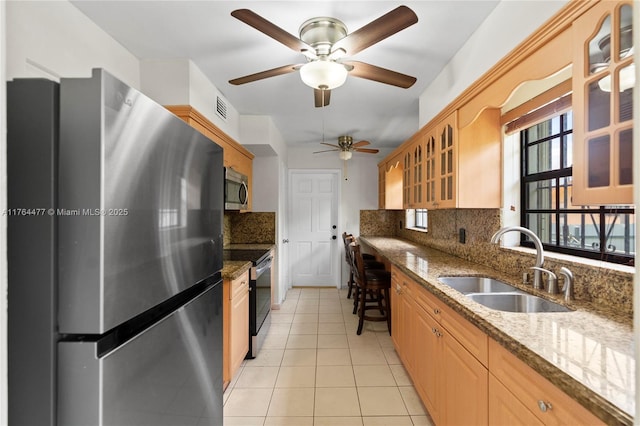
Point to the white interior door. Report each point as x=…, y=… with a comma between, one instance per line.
x=314, y=243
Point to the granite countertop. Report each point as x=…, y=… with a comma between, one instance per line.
x=588, y=356
x=232, y=269
x=249, y=246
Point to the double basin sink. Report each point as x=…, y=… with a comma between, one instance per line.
x=498, y=295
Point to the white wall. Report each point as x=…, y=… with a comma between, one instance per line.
x=181, y=82
x=509, y=24
x=54, y=39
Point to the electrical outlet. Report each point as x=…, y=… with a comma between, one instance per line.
x=462, y=236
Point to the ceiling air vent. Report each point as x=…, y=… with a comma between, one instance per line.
x=221, y=108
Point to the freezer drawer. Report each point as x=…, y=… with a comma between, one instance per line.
x=171, y=374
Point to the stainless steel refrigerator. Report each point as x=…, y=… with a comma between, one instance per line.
x=115, y=213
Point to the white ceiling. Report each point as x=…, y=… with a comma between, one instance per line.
x=225, y=48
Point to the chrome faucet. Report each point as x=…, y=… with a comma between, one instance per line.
x=552, y=280
x=567, y=288
x=537, y=274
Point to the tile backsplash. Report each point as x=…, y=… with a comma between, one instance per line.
x=249, y=228
x=605, y=289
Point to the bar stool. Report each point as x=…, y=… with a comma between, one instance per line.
x=369, y=260
x=373, y=286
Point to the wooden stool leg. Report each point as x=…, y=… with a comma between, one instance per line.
x=356, y=298
x=361, y=310
x=380, y=307
x=387, y=308
x=350, y=285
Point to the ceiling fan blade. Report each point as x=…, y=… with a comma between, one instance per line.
x=369, y=150
x=326, y=150
x=386, y=25
x=382, y=75
x=275, y=32
x=329, y=144
x=361, y=143
x=264, y=74
x=321, y=98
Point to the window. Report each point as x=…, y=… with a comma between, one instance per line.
x=599, y=232
x=417, y=219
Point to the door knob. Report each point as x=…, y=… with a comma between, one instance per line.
x=334, y=237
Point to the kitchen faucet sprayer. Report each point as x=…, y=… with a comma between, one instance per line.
x=537, y=274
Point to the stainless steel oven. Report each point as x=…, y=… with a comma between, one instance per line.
x=259, y=303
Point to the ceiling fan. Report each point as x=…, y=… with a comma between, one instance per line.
x=346, y=147
x=325, y=42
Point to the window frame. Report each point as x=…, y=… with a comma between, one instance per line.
x=557, y=175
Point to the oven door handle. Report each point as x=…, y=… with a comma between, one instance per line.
x=266, y=264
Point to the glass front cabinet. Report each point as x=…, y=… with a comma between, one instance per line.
x=603, y=84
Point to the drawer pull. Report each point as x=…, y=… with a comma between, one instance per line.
x=544, y=406
x=436, y=311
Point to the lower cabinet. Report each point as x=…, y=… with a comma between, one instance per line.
x=505, y=409
x=462, y=376
x=537, y=396
x=451, y=382
x=236, y=324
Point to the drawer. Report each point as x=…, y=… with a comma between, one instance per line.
x=548, y=403
x=471, y=337
x=239, y=286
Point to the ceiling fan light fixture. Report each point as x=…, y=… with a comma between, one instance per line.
x=345, y=155
x=323, y=75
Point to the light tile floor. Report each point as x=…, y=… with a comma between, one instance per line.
x=314, y=370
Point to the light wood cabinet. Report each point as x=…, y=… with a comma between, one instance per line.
x=235, y=155
x=507, y=410
x=381, y=184
x=603, y=84
x=540, y=397
x=447, y=167
x=426, y=373
x=235, y=307
x=479, y=171
x=393, y=184
x=446, y=162
x=402, y=313
x=450, y=380
x=390, y=178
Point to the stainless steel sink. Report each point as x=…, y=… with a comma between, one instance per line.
x=466, y=285
x=517, y=302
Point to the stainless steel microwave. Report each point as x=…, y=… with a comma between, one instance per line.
x=236, y=190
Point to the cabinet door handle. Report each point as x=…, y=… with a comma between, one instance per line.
x=544, y=406
x=436, y=311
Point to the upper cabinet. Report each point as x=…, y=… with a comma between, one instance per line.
x=236, y=156
x=603, y=81
x=413, y=166
x=455, y=160
x=446, y=159
x=390, y=183
x=447, y=167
